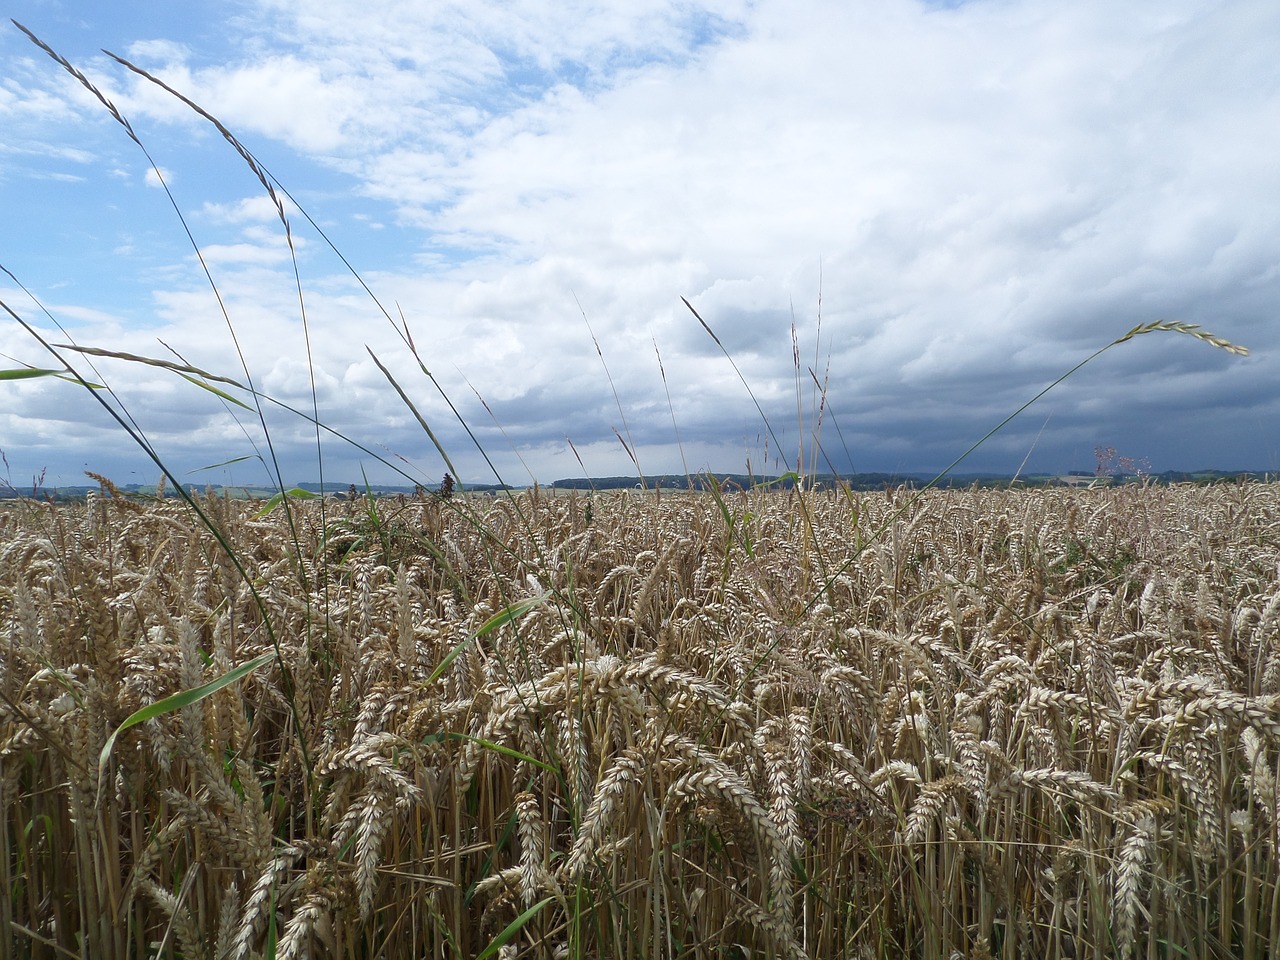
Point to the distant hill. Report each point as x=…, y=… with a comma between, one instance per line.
x=878, y=481
x=698, y=482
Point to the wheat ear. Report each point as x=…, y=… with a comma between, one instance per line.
x=1190, y=329
x=1134, y=854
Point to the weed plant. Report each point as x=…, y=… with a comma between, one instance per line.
x=790, y=724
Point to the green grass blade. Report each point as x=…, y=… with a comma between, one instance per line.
x=792, y=477
x=297, y=493
x=27, y=373
x=730, y=521
x=225, y=463
x=490, y=745
x=514, y=927
x=713, y=487
x=183, y=698
x=31, y=373
x=513, y=612
x=502, y=617
x=215, y=391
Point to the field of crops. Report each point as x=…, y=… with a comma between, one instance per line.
x=1038, y=723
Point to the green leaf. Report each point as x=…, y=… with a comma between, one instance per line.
x=730, y=521
x=215, y=391
x=297, y=493
x=30, y=373
x=514, y=927
x=513, y=612
x=184, y=698
x=713, y=485
x=768, y=484
x=271, y=505
x=490, y=745
x=502, y=617
x=27, y=373
x=226, y=463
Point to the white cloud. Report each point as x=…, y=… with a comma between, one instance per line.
x=166, y=51
x=21, y=100
x=224, y=254
x=255, y=209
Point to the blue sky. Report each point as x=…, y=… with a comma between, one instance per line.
x=973, y=197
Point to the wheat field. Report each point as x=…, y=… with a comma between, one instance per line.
x=1029, y=723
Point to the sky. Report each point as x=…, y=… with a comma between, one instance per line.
x=901, y=220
